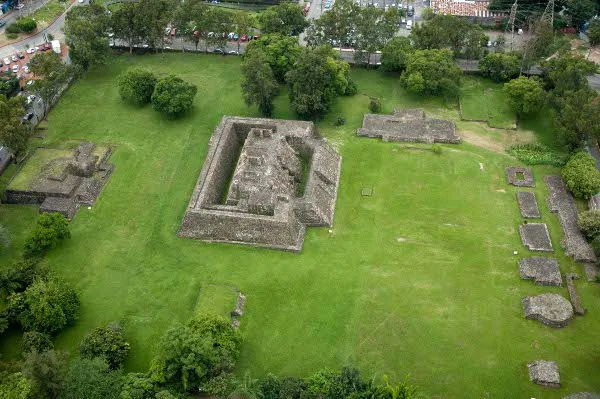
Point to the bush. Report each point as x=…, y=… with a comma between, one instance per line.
x=91, y=378
x=351, y=89
x=375, y=105
x=581, y=175
x=436, y=148
x=500, y=67
x=35, y=341
x=107, y=342
x=47, y=305
x=51, y=228
x=26, y=25
x=13, y=28
x=12, y=36
x=138, y=386
x=172, y=96
x=136, y=85
x=589, y=223
x=595, y=243
x=537, y=154
x=340, y=121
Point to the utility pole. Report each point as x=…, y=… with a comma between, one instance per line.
x=511, y=24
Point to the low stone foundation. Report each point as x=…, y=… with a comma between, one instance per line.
x=550, y=309
x=575, y=299
x=535, y=237
x=543, y=271
x=545, y=373
x=513, y=179
x=528, y=205
x=65, y=206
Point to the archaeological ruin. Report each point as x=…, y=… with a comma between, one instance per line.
x=545, y=373
x=543, y=271
x=535, y=237
x=550, y=309
x=409, y=125
x=520, y=177
x=528, y=205
x=263, y=182
x=61, y=180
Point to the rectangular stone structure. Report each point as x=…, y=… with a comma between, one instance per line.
x=409, y=125
x=528, y=205
x=263, y=181
x=513, y=179
x=543, y=271
x=65, y=206
x=561, y=201
x=535, y=237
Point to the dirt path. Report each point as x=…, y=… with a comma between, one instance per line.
x=506, y=139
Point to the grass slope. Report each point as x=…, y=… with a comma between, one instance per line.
x=483, y=100
x=420, y=278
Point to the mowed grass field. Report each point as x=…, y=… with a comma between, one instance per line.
x=418, y=279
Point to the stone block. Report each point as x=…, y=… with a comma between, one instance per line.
x=545, y=373
x=550, y=309
x=513, y=176
x=535, y=237
x=543, y=271
x=528, y=205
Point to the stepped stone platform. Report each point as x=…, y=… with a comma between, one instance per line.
x=575, y=298
x=528, y=205
x=513, y=176
x=545, y=373
x=535, y=237
x=561, y=201
x=550, y=309
x=543, y=271
x=61, y=181
x=263, y=182
x=409, y=125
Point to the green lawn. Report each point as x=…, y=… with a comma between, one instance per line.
x=483, y=100
x=420, y=278
x=49, y=12
x=43, y=161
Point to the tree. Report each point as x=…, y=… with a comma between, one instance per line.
x=525, y=95
x=581, y=175
x=566, y=72
x=577, y=117
x=581, y=11
x=285, y=18
x=589, y=223
x=48, y=305
x=243, y=25
x=107, y=342
x=282, y=53
x=375, y=105
x=138, y=386
x=91, y=379
x=500, y=67
x=192, y=354
x=315, y=82
x=136, y=85
x=152, y=16
x=35, y=341
x=431, y=72
x=172, y=96
x=26, y=25
x=593, y=32
x=14, y=386
x=46, y=372
x=51, y=228
x=443, y=31
x=9, y=84
x=259, y=85
x=337, y=26
x=13, y=132
x=427, y=14
x=219, y=21
x=125, y=24
x=395, y=54
x=86, y=33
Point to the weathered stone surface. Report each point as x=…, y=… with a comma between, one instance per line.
x=65, y=206
x=575, y=299
x=562, y=202
x=543, y=372
x=583, y=395
x=409, y=125
x=528, y=205
x=550, y=309
x=535, y=237
x=591, y=271
x=249, y=190
x=543, y=271
x=512, y=177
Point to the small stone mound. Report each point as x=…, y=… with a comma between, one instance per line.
x=591, y=271
x=535, y=237
x=545, y=373
x=238, y=311
x=583, y=395
x=550, y=309
x=513, y=178
x=575, y=299
x=543, y=271
x=528, y=205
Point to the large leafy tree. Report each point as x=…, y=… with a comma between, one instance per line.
x=566, y=72
x=125, y=24
x=51, y=228
x=525, y=95
x=593, y=32
x=431, y=72
x=286, y=18
x=577, y=117
x=173, y=96
x=14, y=386
x=259, y=85
x=338, y=25
x=86, y=33
x=396, y=53
x=91, y=379
x=107, y=342
x=136, y=85
x=500, y=67
x=192, y=354
x=152, y=16
x=243, y=25
x=13, y=132
x=46, y=371
x=138, y=386
x=581, y=175
x=220, y=22
x=281, y=51
x=318, y=78
x=445, y=32
x=581, y=11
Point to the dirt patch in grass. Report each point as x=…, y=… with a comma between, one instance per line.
x=497, y=139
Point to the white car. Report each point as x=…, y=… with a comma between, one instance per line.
x=409, y=24
x=15, y=68
x=6, y=61
x=20, y=6
x=25, y=69
x=30, y=99
x=31, y=50
x=30, y=82
x=81, y=1
x=14, y=58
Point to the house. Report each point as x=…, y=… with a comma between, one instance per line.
x=465, y=8
x=5, y=158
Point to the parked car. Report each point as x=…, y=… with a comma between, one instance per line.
x=30, y=82
x=244, y=37
x=233, y=52
x=21, y=55
x=2, y=23
x=211, y=34
x=30, y=99
x=15, y=68
x=409, y=24
x=28, y=117
x=25, y=69
x=14, y=58
x=31, y=50
x=236, y=37
x=6, y=61
x=218, y=50
x=18, y=7
x=327, y=5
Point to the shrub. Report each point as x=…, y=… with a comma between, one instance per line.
x=12, y=36
x=107, y=342
x=581, y=175
x=340, y=121
x=595, y=243
x=500, y=67
x=35, y=341
x=46, y=372
x=138, y=386
x=351, y=89
x=91, y=378
x=13, y=28
x=375, y=105
x=136, y=85
x=51, y=228
x=589, y=223
x=26, y=25
x=48, y=305
x=172, y=96
x=537, y=154
x=50, y=37
x=436, y=148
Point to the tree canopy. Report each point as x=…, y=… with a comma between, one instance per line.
x=524, y=95
x=259, y=85
x=281, y=53
x=136, y=85
x=86, y=33
x=431, y=72
x=581, y=175
x=395, y=54
x=108, y=343
x=285, y=18
x=13, y=132
x=173, y=96
x=500, y=67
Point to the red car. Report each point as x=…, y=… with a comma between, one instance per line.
x=244, y=38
